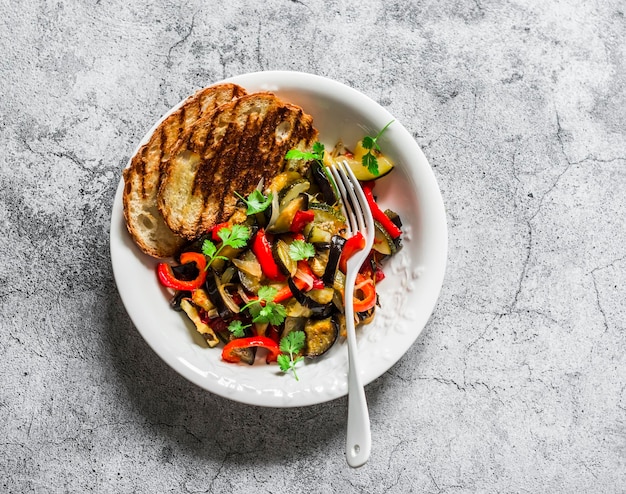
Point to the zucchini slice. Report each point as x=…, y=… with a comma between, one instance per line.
x=385, y=165
x=292, y=191
x=283, y=180
x=320, y=336
x=383, y=243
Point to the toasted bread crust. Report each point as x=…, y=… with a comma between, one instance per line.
x=142, y=178
x=225, y=152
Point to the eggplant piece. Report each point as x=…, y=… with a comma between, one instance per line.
x=318, y=311
x=336, y=247
x=177, y=299
x=212, y=287
x=280, y=253
x=320, y=334
x=293, y=324
x=185, y=272
x=319, y=262
x=323, y=182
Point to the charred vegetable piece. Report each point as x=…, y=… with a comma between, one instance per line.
x=323, y=182
x=336, y=247
x=202, y=328
x=383, y=243
x=293, y=323
x=186, y=272
x=212, y=287
x=320, y=336
x=178, y=298
x=280, y=251
x=318, y=311
x=292, y=191
x=230, y=353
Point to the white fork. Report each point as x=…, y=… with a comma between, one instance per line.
x=359, y=219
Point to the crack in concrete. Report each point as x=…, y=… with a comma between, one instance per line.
x=168, y=59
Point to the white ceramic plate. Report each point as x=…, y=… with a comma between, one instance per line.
x=408, y=294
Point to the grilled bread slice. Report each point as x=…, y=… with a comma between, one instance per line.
x=229, y=151
x=142, y=178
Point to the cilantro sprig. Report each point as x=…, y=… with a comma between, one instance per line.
x=291, y=345
x=256, y=201
x=264, y=310
x=316, y=154
x=300, y=250
x=237, y=328
x=369, y=160
x=236, y=237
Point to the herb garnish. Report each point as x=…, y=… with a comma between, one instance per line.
x=235, y=237
x=256, y=201
x=264, y=309
x=300, y=250
x=291, y=345
x=237, y=328
x=370, y=161
x=317, y=154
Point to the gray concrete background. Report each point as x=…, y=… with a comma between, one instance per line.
x=517, y=384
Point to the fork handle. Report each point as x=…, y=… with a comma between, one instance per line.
x=358, y=436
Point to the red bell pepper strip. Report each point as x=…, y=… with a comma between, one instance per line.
x=262, y=249
x=300, y=220
x=167, y=278
x=379, y=215
x=351, y=247
x=285, y=292
x=257, y=341
x=364, y=294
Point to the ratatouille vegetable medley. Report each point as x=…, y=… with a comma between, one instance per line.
x=274, y=279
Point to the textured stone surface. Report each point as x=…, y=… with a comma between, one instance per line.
x=517, y=384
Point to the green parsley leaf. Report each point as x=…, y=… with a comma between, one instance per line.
x=256, y=202
x=208, y=248
x=237, y=328
x=318, y=149
x=271, y=313
x=284, y=362
x=300, y=250
x=370, y=161
x=267, y=293
x=264, y=309
x=316, y=154
x=236, y=237
x=291, y=345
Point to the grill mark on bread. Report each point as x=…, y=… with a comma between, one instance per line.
x=148, y=168
x=235, y=147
